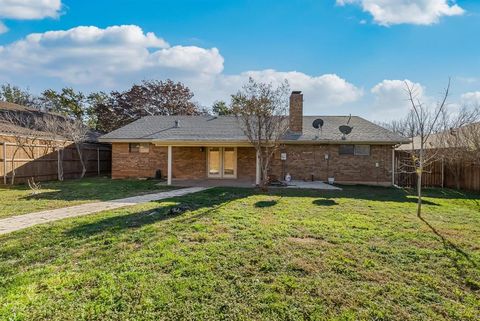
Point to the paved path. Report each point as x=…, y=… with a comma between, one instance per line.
x=19, y=222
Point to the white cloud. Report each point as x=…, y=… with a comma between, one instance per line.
x=419, y=12
x=117, y=56
x=29, y=9
x=471, y=98
x=325, y=90
x=93, y=55
x=391, y=98
x=3, y=28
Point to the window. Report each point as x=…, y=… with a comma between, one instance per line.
x=362, y=150
x=357, y=150
x=139, y=148
x=346, y=149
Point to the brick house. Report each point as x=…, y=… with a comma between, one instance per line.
x=215, y=147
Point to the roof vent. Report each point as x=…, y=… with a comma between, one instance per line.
x=177, y=124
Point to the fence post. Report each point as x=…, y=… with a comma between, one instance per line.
x=58, y=164
x=98, y=161
x=443, y=173
x=5, y=163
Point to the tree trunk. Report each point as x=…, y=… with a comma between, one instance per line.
x=79, y=152
x=13, y=167
x=419, y=183
x=419, y=192
x=60, y=164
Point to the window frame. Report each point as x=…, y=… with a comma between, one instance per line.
x=345, y=145
x=138, y=148
x=356, y=153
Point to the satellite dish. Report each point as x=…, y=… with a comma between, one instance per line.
x=345, y=129
x=317, y=123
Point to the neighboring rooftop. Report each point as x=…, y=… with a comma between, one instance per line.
x=11, y=129
x=228, y=129
x=436, y=140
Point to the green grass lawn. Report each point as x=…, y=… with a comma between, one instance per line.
x=236, y=254
x=18, y=199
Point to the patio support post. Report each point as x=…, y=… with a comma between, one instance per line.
x=169, y=166
x=257, y=166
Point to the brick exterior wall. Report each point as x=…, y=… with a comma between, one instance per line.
x=296, y=112
x=302, y=162
x=188, y=162
x=246, y=162
x=126, y=164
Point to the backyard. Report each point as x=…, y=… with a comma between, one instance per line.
x=18, y=199
x=238, y=254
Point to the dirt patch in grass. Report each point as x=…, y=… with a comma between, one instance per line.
x=309, y=241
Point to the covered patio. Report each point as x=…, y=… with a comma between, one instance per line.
x=207, y=164
x=245, y=183
x=213, y=183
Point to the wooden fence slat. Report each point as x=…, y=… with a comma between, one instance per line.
x=45, y=164
x=439, y=175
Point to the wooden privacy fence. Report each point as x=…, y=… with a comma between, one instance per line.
x=438, y=174
x=42, y=161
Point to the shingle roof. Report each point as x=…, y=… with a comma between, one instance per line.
x=227, y=129
x=7, y=106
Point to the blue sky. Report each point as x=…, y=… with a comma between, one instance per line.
x=348, y=56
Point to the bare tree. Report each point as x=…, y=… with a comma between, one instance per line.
x=26, y=130
x=397, y=126
x=472, y=138
x=261, y=109
x=420, y=124
x=34, y=186
x=54, y=127
x=76, y=132
x=62, y=132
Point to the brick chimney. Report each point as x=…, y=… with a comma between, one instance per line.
x=296, y=112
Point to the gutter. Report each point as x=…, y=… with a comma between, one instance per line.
x=242, y=142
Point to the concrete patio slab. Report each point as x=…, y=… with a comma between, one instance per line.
x=215, y=183
x=313, y=185
x=248, y=183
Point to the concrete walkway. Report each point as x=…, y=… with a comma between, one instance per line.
x=19, y=222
